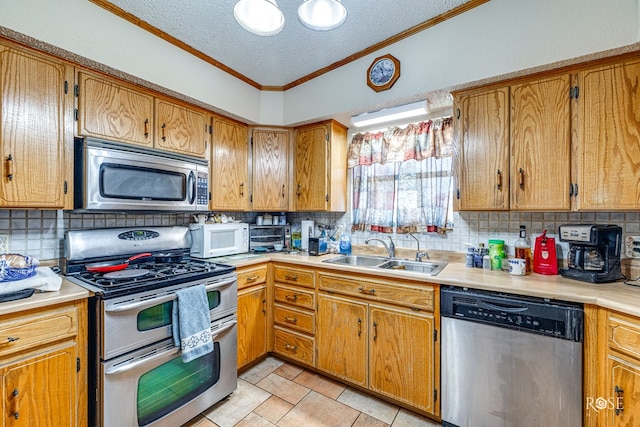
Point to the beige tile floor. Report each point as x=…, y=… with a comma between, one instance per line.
x=275, y=393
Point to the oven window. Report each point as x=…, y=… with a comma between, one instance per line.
x=137, y=183
x=160, y=315
x=172, y=384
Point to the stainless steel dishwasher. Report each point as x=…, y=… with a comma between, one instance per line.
x=509, y=360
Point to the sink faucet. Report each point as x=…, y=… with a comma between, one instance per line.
x=391, y=249
x=419, y=254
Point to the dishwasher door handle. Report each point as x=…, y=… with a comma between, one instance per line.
x=507, y=308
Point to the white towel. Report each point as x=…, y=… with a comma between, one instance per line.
x=45, y=280
x=191, y=323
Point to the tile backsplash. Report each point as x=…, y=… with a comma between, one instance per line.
x=40, y=233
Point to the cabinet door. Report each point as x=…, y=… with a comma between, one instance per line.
x=181, y=129
x=41, y=391
x=32, y=129
x=229, y=166
x=401, y=356
x=270, y=189
x=114, y=111
x=342, y=338
x=540, y=144
x=311, y=168
x=482, y=161
x=252, y=324
x=609, y=142
x=625, y=393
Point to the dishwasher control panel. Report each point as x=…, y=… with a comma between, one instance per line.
x=558, y=319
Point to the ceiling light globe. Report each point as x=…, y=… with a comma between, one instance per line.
x=260, y=17
x=322, y=15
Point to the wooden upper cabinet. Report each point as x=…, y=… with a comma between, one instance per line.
x=181, y=129
x=609, y=140
x=270, y=159
x=540, y=144
x=321, y=167
x=482, y=162
x=35, y=129
x=114, y=111
x=228, y=180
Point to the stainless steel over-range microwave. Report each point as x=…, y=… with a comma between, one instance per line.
x=110, y=176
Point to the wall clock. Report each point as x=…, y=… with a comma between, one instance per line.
x=383, y=73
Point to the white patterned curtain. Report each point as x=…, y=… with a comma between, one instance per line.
x=402, y=177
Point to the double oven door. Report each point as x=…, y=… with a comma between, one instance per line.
x=141, y=378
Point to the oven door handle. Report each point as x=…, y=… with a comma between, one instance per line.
x=224, y=329
x=132, y=365
x=162, y=299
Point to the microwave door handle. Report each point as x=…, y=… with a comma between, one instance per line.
x=132, y=365
x=191, y=184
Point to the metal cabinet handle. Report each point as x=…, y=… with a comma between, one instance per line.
x=242, y=189
x=15, y=404
x=620, y=400
x=367, y=291
x=164, y=137
x=291, y=297
x=293, y=348
x=521, y=178
x=252, y=279
x=290, y=277
x=10, y=167
x=499, y=179
x=298, y=192
x=283, y=191
x=146, y=128
x=375, y=331
x=359, y=326
x=291, y=319
x=264, y=306
x=12, y=339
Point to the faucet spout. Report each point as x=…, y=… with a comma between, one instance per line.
x=391, y=248
x=419, y=254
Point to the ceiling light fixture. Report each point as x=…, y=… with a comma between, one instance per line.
x=391, y=114
x=322, y=15
x=261, y=17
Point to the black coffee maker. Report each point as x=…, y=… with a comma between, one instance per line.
x=594, y=252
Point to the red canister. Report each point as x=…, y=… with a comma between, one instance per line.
x=545, y=260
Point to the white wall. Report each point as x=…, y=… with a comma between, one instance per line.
x=498, y=37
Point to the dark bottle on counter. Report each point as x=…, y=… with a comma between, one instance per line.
x=523, y=248
x=481, y=251
x=471, y=251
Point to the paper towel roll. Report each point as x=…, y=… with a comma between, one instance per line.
x=307, y=231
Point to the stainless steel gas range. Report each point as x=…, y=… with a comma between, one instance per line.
x=136, y=374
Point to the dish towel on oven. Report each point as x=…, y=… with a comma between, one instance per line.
x=191, y=323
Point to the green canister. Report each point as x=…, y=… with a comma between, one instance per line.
x=496, y=253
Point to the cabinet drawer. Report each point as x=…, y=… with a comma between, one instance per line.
x=21, y=333
x=399, y=292
x=294, y=296
x=251, y=276
x=294, y=276
x=624, y=333
x=294, y=345
x=295, y=319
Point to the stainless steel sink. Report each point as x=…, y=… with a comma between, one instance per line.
x=430, y=268
x=358, y=260
x=426, y=267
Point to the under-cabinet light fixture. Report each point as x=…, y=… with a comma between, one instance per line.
x=391, y=114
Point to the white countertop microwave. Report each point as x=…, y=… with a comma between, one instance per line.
x=212, y=240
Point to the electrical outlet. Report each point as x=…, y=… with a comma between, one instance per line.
x=632, y=246
x=4, y=243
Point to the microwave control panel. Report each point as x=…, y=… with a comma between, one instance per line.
x=202, y=192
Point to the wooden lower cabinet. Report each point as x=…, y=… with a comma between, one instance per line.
x=43, y=366
x=253, y=319
x=625, y=392
x=389, y=349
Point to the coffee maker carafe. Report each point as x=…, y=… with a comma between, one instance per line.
x=594, y=252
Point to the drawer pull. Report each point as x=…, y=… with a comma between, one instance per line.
x=291, y=347
x=289, y=277
x=367, y=291
x=620, y=400
x=12, y=339
x=291, y=297
x=291, y=319
x=252, y=279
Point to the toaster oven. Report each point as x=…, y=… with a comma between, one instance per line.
x=265, y=236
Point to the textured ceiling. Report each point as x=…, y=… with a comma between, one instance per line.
x=209, y=27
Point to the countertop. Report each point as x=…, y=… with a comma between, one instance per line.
x=616, y=296
x=68, y=292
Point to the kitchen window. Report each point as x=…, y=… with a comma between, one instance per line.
x=402, y=178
